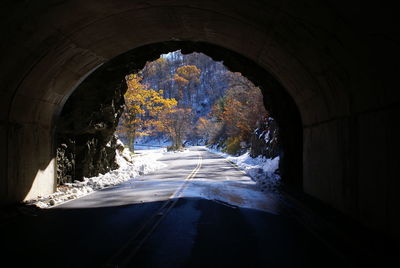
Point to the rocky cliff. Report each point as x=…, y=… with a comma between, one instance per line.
x=85, y=140
x=265, y=139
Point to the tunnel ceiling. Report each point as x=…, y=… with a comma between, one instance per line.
x=310, y=50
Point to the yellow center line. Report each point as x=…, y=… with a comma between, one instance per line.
x=163, y=211
x=177, y=193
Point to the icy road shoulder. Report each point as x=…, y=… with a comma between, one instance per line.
x=257, y=190
x=262, y=170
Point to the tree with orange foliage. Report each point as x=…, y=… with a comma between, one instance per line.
x=239, y=111
x=186, y=77
x=204, y=128
x=176, y=122
x=142, y=106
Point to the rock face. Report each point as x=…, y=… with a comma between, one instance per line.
x=265, y=140
x=86, y=142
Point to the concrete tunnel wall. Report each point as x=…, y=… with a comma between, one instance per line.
x=337, y=60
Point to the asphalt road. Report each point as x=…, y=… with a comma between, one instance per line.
x=150, y=222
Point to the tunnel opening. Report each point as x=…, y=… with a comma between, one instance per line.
x=86, y=125
x=179, y=101
x=186, y=100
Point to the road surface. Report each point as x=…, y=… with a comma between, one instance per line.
x=199, y=211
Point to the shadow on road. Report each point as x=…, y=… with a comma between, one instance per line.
x=196, y=233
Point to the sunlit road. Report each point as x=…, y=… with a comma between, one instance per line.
x=164, y=220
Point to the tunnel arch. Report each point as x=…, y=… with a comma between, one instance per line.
x=322, y=52
x=99, y=89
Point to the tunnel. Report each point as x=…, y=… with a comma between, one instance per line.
x=327, y=69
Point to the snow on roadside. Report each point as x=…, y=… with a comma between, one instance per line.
x=262, y=170
x=129, y=168
x=236, y=192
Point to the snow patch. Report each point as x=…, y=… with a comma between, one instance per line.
x=240, y=193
